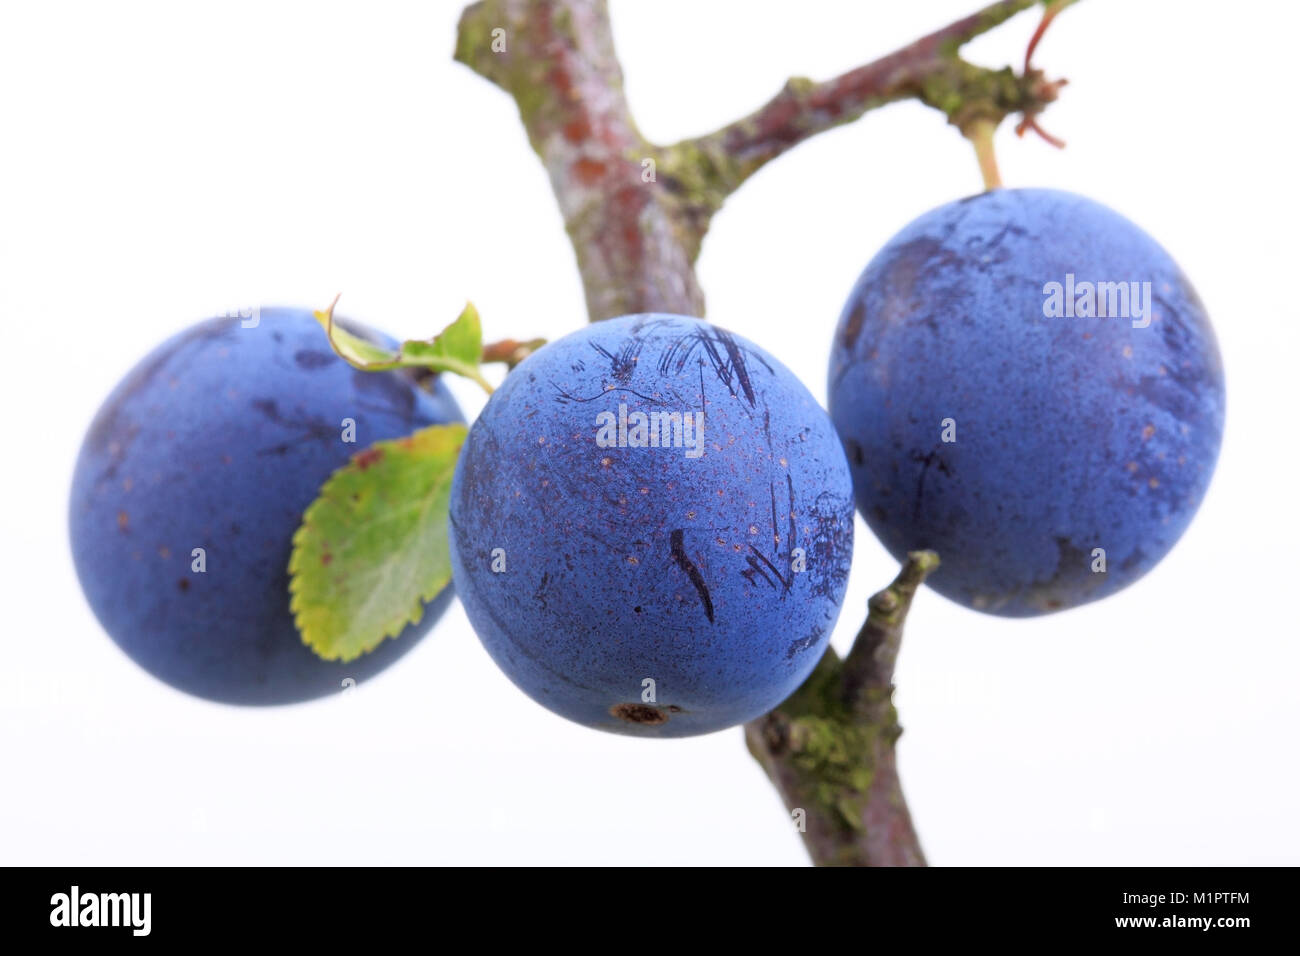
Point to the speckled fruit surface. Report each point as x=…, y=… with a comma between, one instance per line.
x=219, y=439
x=1075, y=434
x=590, y=565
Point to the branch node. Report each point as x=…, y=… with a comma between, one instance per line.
x=868, y=672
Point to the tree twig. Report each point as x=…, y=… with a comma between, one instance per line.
x=637, y=212
x=556, y=58
x=829, y=748
x=928, y=69
x=869, y=667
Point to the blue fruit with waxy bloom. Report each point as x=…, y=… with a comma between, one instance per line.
x=1026, y=382
x=652, y=527
x=191, y=483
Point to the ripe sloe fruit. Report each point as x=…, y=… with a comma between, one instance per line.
x=1027, y=383
x=219, y=440
x=635, y=569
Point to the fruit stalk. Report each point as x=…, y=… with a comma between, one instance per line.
x=636, y=213
x=980, y=133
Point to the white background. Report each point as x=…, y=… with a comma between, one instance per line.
x=164, y=162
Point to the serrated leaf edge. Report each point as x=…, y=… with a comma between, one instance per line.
x=297, y=554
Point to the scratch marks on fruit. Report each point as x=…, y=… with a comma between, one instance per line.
x=539, y=593
x=776, y=535
x=681, y=559
x=622, y=364
x=791, y=531
x=986, y=258
x=805, y=642
x=831, y=549
x=704, y=401
x=926, y=459
x=732, y=363
x=759, y=564
x=736, y=360
x=723, y=352
x=564, y=396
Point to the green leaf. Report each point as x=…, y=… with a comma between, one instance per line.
x=372, y=547
x=457, y=349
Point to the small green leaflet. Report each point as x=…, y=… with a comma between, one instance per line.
x=373, y=545
x=457, y=349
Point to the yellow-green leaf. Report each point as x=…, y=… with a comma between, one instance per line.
x=372, y=547
x=458, y=348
